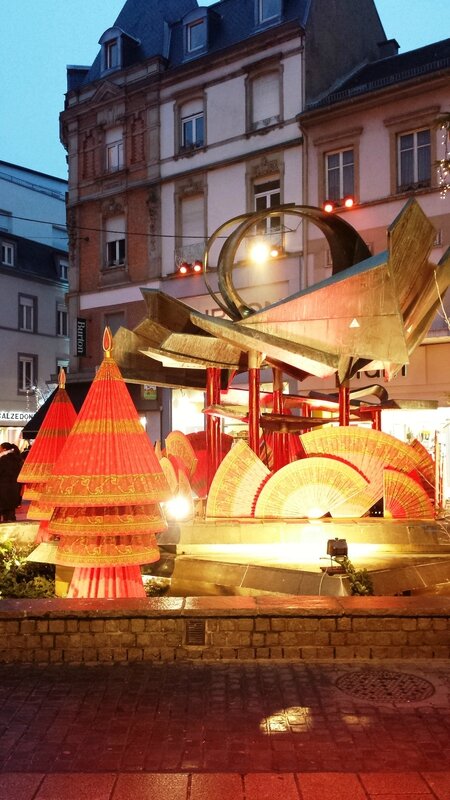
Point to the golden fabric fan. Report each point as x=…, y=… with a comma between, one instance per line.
x=171, y=476
x=369, y=451
x=236, y=483
x=426, y=467
x=178, y=444
x=309, y=488
x=404, y=497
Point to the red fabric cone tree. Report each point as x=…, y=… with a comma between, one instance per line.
x=106, y=488
x=44, y=454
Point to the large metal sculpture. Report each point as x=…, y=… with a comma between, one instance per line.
x=370, y=314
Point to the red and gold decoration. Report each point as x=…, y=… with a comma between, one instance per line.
x=236, y=483
x=44, y=453
x=405, y=497
x=199, y=480
x=426, y=468
x=367, y=450
x=106, y=488
x=309, y=488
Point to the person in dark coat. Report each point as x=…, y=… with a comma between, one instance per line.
x=10, y=491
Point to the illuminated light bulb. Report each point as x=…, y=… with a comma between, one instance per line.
x=259, y=252
x=328, y=206
x=274, y=252
x=349, y=202
x=178, y=507
x=184, y=268
x=198, y=266
x=315, y=513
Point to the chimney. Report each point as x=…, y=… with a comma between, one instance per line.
x=388, y=48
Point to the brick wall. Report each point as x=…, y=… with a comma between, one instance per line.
x=216, y=628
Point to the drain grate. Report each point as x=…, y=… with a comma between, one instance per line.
x=385, y=686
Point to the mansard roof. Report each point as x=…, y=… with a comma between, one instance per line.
x=158, y=26
x=33, y=260
x=424, y=61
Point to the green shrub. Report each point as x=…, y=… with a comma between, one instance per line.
x=359, y=579
x=22, y=578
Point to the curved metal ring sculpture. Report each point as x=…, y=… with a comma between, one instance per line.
x=346, y=248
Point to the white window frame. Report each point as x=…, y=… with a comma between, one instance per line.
x=342, y=169
x=63, y=267
x=193, y=28
x=115, y=242
x=8, y=254
x=262, y=192
x=193, y=120
x=115, y=252
x=264, y=14
x=112, y=54
x=415, y=149
x=114, y=150
x=27, y=373
x=27, y=313
x=62, y=320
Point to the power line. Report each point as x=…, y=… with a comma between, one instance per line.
x=111, y=230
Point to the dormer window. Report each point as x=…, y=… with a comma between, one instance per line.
x=197, y=31
x=268, y=11
x=112, y=54
x=118, y=49
x=196, y=35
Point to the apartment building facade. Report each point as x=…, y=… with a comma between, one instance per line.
x=33, y=282
x=377, y=138
x=188, y=118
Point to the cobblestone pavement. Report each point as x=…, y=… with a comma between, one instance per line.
x=266, y=717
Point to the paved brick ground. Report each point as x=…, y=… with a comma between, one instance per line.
x=251, y=731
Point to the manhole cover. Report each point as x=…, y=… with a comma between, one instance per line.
x=383, y=685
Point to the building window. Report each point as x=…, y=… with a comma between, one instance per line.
x=114, y=149
x=8, y=254
x=115, y=242
x=191, y=229
x=116, y=253
x=27, y=373
x=63, y=269
x=192, y=131
x=414, y=160
x=267, y=196
x=339, y=174
x=265, y=100
x=111, y=54
x=62, y=321
x=27, y=313
x=196, y=35
x=268, y=10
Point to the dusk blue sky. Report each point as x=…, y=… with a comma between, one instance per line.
x=41, y=37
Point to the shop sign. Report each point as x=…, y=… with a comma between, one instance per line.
x=15, y=416
x=149, y=392
x=81, y=336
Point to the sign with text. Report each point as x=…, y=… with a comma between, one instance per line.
x=15, y=416
x=81, y=336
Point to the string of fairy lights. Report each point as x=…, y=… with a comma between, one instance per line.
x=443, y=165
